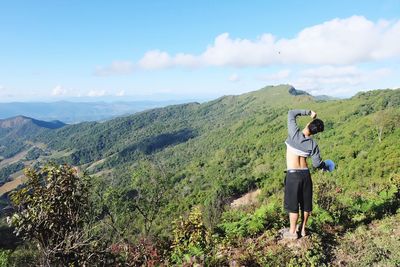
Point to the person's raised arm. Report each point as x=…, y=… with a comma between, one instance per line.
x=293, y=129
x=316, y=159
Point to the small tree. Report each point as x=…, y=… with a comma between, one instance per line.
x=151, y=186
x=386, y=121
x=192, y=240
x=53, y=211
x=135, y=206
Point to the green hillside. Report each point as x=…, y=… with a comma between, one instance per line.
x=237, y=141
x=206, y=155
x=16, y=131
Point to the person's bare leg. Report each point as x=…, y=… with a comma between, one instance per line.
x=304, y=222
x=293, y=221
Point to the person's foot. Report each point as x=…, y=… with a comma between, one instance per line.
x=289, y=236
x=301, y=233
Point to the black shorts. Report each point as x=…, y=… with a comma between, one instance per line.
x=298, y=191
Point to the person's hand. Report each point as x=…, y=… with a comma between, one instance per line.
x=313, y=114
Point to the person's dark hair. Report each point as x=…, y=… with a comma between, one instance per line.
x=316, y=126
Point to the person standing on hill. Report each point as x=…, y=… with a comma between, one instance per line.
x=298, y=183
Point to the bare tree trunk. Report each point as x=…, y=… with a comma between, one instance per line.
x=379, y=129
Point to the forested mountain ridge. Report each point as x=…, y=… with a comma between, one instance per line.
x=213, y=152
x=16, y=131
x=17, y=122
x=94, y=141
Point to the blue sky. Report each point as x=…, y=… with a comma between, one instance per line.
x=60, y=50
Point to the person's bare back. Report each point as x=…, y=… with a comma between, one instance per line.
x=294, y=161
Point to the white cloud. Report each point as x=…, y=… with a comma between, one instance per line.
x=116, y=67
x=330, y=54
x=120, y=93
x=59, y=91
x=155, y=59
x=335, y=42
x=332, y=80
x=234, y=77
x=96, y=93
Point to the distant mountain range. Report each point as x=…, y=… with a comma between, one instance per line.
x=74, y=112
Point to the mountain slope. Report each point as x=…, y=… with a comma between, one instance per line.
x=17, y=131
x=213, y=152
x=25, y=127
x=240, y=136
x=126, y=139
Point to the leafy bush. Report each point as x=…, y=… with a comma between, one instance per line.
x=191, y=239
x=24, y=256
x=236, y=223
x=328, y=208
x=4, y=258
x=53, y=211
x=143, y=253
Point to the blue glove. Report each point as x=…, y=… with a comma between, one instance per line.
x=330, y=165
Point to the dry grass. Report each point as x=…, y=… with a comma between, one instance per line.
x=250, y=198
x=7, y=187
x=14, y=159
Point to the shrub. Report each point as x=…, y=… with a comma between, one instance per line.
x=191, y=239
x=24, y=256
x=239, y=224
x=53, y=211
x=329, y=209
x=143, y=253
x=4, y=258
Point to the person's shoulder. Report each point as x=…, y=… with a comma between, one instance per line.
x=314, y=143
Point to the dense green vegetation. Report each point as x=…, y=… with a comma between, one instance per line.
x=10, y=169
x=152, y=167
x=34, y=153
x=16, y=131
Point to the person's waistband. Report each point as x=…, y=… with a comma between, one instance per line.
x=297, y=170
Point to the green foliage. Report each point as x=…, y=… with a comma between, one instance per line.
x=373, y=245
x=312, y=255
x=10, y=169
x=143, y=253
x=214, y=206
x=34, y=153
x=264, y=250
x=9, y=147
x=150, y=190
x=236, y=223
x=328, y=207
x=15, y=132
x=53, y=210
x=4, y=258
x=137, y=206
x=24, y=256
x=191, y=239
